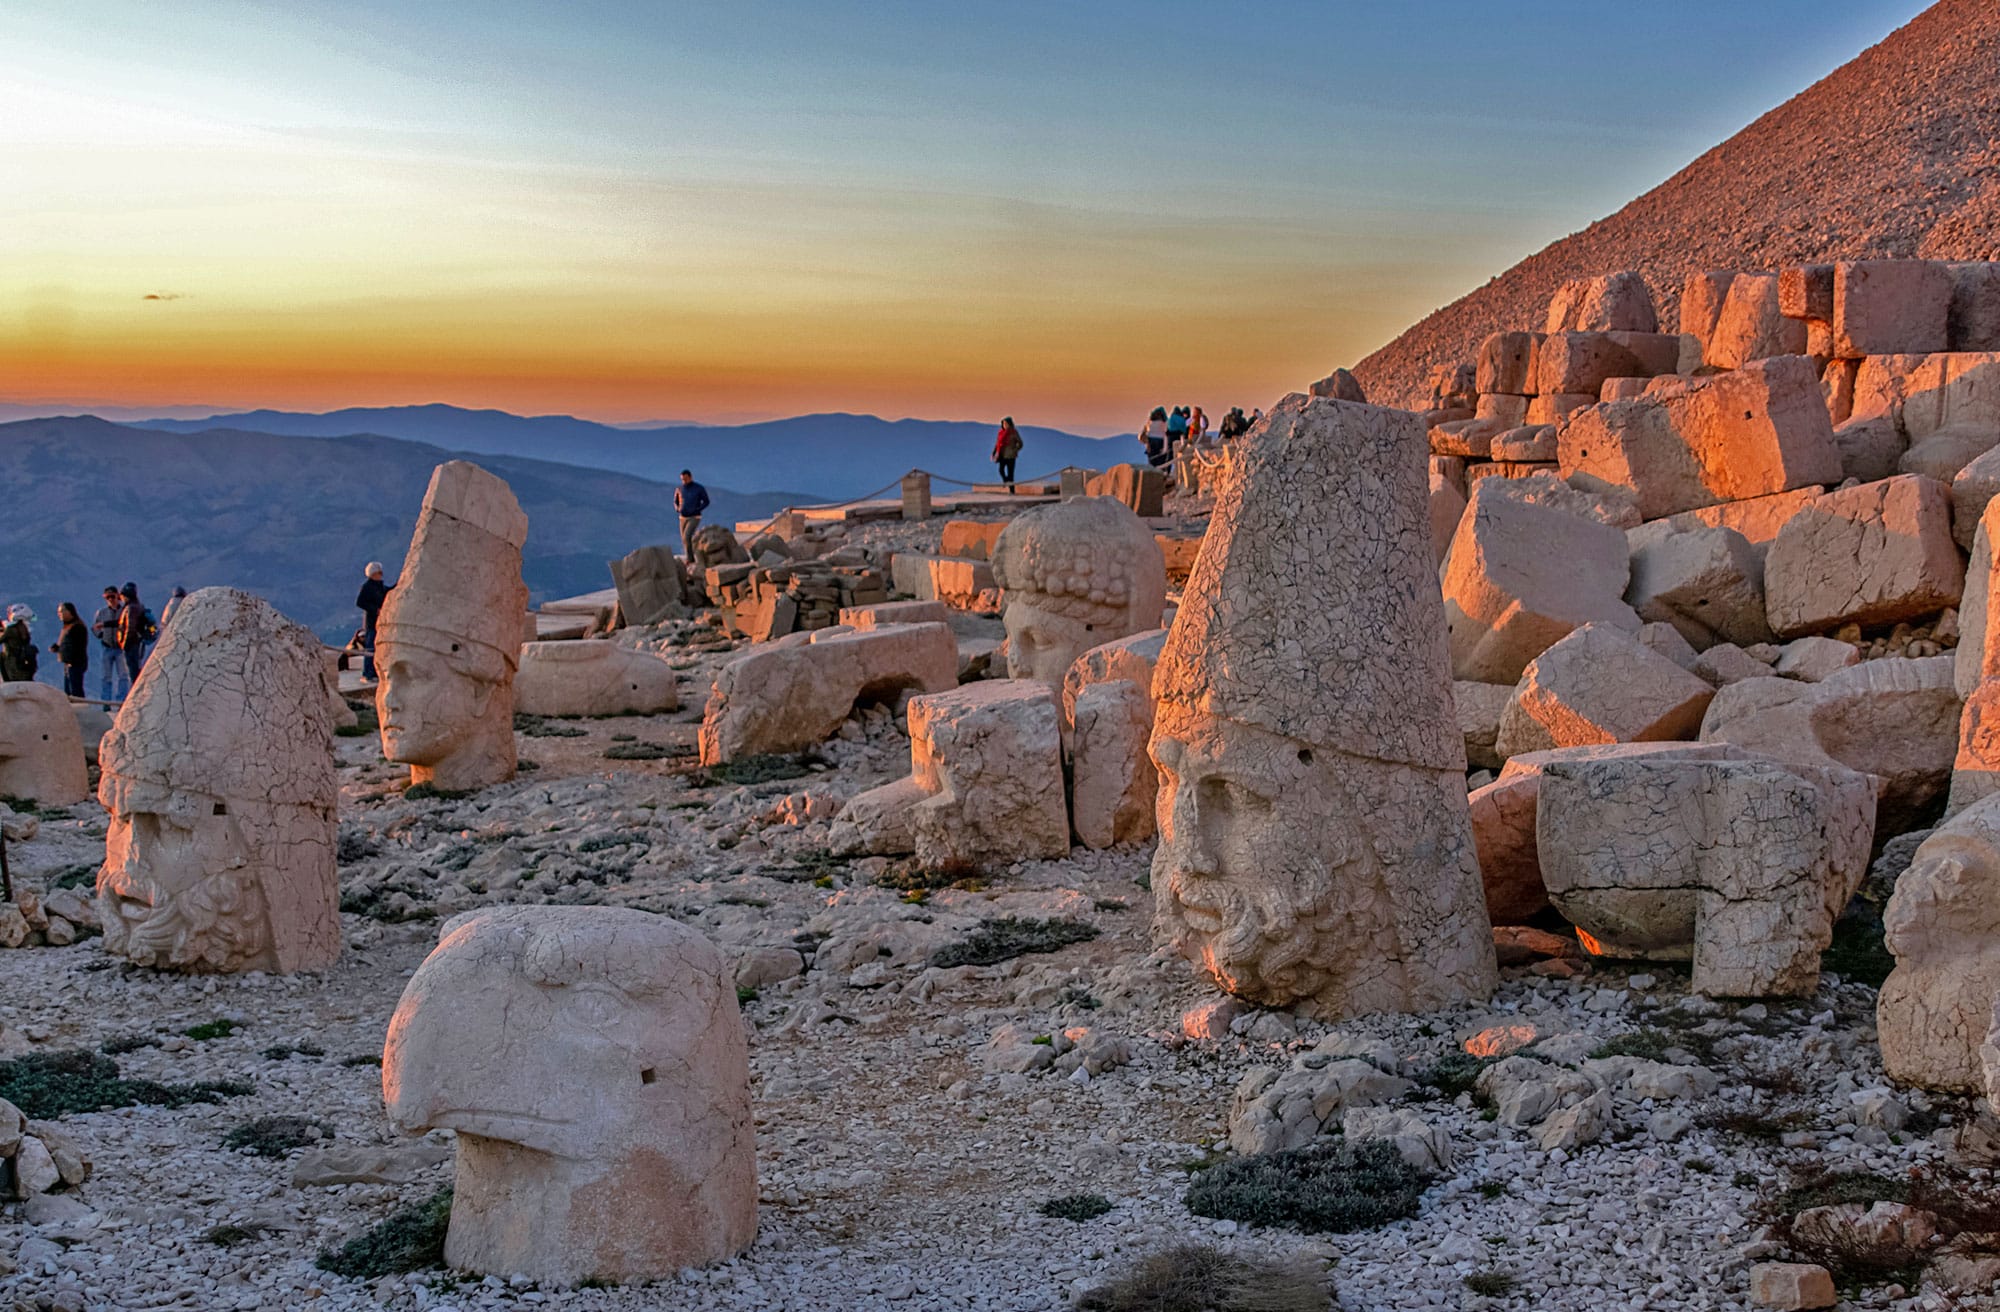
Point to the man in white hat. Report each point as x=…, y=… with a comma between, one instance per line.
x=373, y=593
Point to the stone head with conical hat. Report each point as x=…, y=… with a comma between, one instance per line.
x=218, y=774
x=450, y=634
x=1314, y=843
x=1077, y=574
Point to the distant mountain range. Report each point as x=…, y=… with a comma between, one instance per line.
x=827, y=457
x=290, y=518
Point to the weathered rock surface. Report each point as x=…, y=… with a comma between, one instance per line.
x=1706, y=582
x=652, y=585
x=592, y=678
x=1943, y=925
x=1600, y=685
x=41, y=746
x=787, y=695
x=1872, y=554
x=1115, y=785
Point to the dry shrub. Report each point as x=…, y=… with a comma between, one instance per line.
x=1194, y=1278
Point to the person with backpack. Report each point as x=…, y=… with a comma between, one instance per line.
x=17, y=647
x=1153, y=436
x=113, y=683
x=72, y=648
x=1007, y=446
x=136, y=629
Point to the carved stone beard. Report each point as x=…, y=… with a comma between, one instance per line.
x=1269, y=946
x=216, y=925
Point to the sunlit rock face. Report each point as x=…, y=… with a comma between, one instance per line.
x=1076, y=574
x=593, y=1064
x=41, y=747
x=1943, y=924
x=218, y=774
x=592, y=678
x=1314, y=841
x=450, y=635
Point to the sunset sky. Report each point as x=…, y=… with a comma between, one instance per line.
x=1064, y=211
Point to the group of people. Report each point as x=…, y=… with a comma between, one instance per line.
x=124, y=628
x=1169, y=432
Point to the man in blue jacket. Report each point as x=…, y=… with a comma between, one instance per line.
x=690, y=499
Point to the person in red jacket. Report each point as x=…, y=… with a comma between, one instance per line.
x=1006, y=450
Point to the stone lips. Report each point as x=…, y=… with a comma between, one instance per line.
x=231, y=703
x=1285, y=617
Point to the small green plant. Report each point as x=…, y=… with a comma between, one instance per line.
x=1326, y=1188
x=1009, y=937
x=219, y=1028
x=1857, y=953
x=121, y=1044
x=281, y=1051
x=604, y=842
x=742, y=900
x=1453, y=1073
x=408, y=1239
x=636, y=752
x=362, y=1059
x=29, y=806
x=1746, y=1180
x=77, y=876
x=1075, y=995
x=1831, y=1188
x=1770, y=1126
x=1699, y=1165
x=1493, y=1189
x=824, y=881
x=535, y=726
x=748, y=770
x=274, y=1136
x=1647, y=1045
x=1076, y=1207
x=222, y=1236
x=1111, y=904
x=745, y=995
x=1493, y=1284
x=45, y=1085
x=913, y=877
x=1045, y=1040
x=1195, y=1278
x=624, y=737
x=432, y=793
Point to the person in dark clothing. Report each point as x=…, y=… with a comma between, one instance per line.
x=17, y=647
x=690, y=499
x=135, y=629
x=1007, y=446
x=1234, y=424
x=72, y=648
x=112, y=681
x=373, y=593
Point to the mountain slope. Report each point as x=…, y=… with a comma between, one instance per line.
x=1892, y=154
x=828, y=457
x=292, y=519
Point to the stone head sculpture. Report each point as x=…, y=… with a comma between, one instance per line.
x=41, y=746
x=593, y=1063
x=1077, y=574
x=218, y=774
x=450, y=634
x=1314, y=842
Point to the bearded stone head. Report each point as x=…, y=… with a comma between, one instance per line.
x=1077, y=574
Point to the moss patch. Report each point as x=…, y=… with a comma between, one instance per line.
x=408, y=1239
x=274, y=1136
x=755, y=770
x=1330, y=1188
x=1857, y=953
x=1195, y=1278
x=1076, y=1207
x=637, y=752
x=45, y=1085
x=1009, y=937
x=219, y=1028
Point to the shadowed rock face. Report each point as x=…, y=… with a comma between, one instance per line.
x=593, y=1064
x=218, y=774
x=1314, y=843
x=450, y=636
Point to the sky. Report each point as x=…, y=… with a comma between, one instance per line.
x=646, y=209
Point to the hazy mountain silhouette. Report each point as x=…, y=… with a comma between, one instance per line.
x=292, y=519
x=830, y=456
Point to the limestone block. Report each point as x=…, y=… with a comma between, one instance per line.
x=1792, y=1286
x=651, y=584
x=787, y=695
x=910, y=575
x=1870, y=449
x=1552, y=409
x=1751, y=325
x=1580, y=362
x=1502, y=408
x=970, y=537
x=1503, y=832
x=1130, y=658
x=1479, y=706
x=1972, y=490
x=1077, y=574
x=1665, y=640
x=1758, y=519
x=882, y=614
x=592, y=678
x=1340, y=385
x=1805, y=291
x=1525, y=568
x=218, y=777
x=985, y=785
x=450, y=634
x=593, y=1065
x=1943, y=925
x=1314, y=849
x=1140, y=488
x=1450, y=414
x=1974, y=321
x=1978, y=654
x=1657, y=353
x=1882, y=307
x=1468, y=438
x=1272, y=1111
x=1942, y=454
x=1447, y=508
x=1600, y=685
x=1741, y=864
x=1814, y=659
x=41, y=746
x=1613, y=302
x=1178, y=553
x=1115, y=785
x=1507, y=364
x=1726, y=663
x=1531, y=442
x=1702, y=297
x=1895, y=720
x=1706, y=582
x=1836, y=384
x=958, y=582
x=1424, y=1146
x=1875, y=553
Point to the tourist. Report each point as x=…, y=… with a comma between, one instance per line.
x=173, y=604
x=72, y=648
x=17, y=646
x=1234, y=424
x=373, y=593
x=690, y=499
x=1154, y=437
x=136, y=630
x=114, y=683
x=1197, y=427
x=1006, y=450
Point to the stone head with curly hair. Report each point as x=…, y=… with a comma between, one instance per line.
x=1077, y=574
